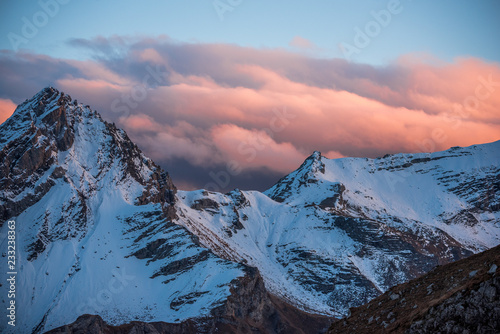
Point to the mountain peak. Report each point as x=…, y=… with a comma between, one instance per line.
x=315, y=155
x=46, y=94
x=52, y=132
x=308, y=173
x=47, y=91
x=35, y=108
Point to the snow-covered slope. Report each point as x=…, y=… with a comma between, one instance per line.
x=93, y=225
x=336, y=233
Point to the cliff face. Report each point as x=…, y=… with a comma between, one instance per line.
x=96, y=221
x=460, y=297
x=35, y=143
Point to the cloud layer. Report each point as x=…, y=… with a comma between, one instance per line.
x=229, y=110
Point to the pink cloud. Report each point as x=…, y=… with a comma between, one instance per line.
x=151, y=55
x=255, y=148
x=141, y=123
x=7, y=108
x=301, y=43
x=98, y=72
x=328, y=119
x=166, y=142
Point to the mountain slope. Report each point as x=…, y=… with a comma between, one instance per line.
x=249, y=309
x=336, y=233
x=460, y=297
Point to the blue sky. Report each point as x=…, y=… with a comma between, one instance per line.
x=446, y=29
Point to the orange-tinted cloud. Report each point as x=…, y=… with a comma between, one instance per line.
x=334, y=121
x=255, y=148
x=7, y=107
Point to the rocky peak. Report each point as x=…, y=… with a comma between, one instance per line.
x=50, y=134
x=314, y=163
x=307, y=174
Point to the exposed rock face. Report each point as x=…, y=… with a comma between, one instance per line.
x=460, y=297
x=473, y=311
x=249, y=309
x=97, y=235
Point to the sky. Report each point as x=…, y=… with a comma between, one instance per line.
x=237, y=93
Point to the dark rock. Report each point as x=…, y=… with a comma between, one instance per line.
x=205, y=203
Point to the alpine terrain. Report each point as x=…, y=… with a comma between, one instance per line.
x=462, y=297
x=101, y=230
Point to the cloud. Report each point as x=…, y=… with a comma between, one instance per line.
x=202, y=105
x=7, y=108
x=255, y=148
x=151, y=55
x=301, y=43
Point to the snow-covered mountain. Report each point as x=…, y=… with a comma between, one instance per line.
x=93, y=226
x=101, y=229
x=337, y=233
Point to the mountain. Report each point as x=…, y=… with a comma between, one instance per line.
x=460, y=297
x=95, y=231
x=102, y=230
x=337, y=233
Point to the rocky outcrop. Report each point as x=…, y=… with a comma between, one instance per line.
x=93, y=324
x=460, y=297
x=469, y=311
x=251, y=308
x=84, y=197
x=26, y=158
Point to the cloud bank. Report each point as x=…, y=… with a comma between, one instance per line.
x=255, y=114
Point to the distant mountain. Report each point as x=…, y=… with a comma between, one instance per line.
x=102, y=230
x=460, y=297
